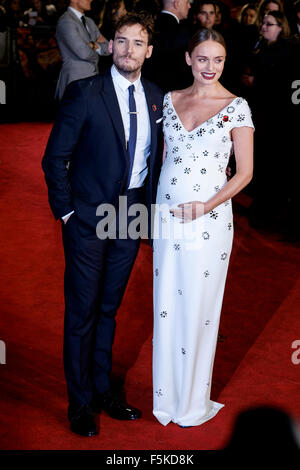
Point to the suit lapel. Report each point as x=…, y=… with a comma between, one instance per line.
x=111, y=102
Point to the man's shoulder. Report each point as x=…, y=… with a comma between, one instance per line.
x=87, y=86
x=165, y=21
x=66, y=17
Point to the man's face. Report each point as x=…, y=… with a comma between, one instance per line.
x=182, y=9
x=130, y=48
x=207, y=16
x=81, y=5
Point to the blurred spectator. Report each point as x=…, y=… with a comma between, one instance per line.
x=204, y=14
x=167, y=66
x=80, y=44
x=264, y=431
x=112, y=11
x=248, y=14
x=40, y=14
x=295, y=20
x=265, y=6
x=276, y=118
x=14, y=14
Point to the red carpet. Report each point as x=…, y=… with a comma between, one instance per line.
x=260, y=321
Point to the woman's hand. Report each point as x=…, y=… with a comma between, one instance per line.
x=189, y=211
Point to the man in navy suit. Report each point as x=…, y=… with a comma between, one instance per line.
x=106, y=143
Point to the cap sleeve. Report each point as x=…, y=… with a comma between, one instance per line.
x=242, y=115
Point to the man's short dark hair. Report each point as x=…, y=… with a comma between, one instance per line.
x=143, y=18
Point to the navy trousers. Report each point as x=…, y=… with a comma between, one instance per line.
x=96, y=275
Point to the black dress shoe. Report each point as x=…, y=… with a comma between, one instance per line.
x=114, y=407
x=82, y=422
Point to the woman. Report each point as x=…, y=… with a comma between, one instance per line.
x=248, y=14
x=276, y=65
x=193, y=231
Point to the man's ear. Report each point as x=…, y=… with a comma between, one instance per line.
x=110, y=46
x=149, y=52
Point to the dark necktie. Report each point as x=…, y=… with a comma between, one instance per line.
x=133, y=130
x=84, y=23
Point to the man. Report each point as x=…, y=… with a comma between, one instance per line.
x=80, y=44
x=206, y=14
x=110, y=132
x=167, y=66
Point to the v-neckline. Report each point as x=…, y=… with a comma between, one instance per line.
x=195, y=128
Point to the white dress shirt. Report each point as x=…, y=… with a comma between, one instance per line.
x=102, y=48
x=143, y=141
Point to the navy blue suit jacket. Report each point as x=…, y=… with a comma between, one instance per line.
x=86, y=161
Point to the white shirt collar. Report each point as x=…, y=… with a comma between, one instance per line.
x=170, y=13
x=122, y=82
x=76, y=12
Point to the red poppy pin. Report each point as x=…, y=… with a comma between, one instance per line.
x=154, y=107
x=225, y=118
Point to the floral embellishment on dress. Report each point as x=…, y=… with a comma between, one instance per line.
x=163, y=220
x=158, y=393
x=220, y=124
x=226, y=203
x=205, y=235
x=221, y=168
x=196, y=187
x=217, y=188
x=191, y=137
x=177, y=160
x=217, y=154
x=241, y=117
x=225, y=118
x=205, y=153
x=212, y=131
x=180, y=292
x=173, y=181
x=167, y=196
x=181, y=137
x=223, y=256
x=230, y=109
x=177, y=126
x=171, y=138
x=203, y=171
x=207, y=322
x=213, y=215
x=239, y=101
x=183, y=351
x=156, y=272
x=200, y=132
x=188, y=146
x=170, y=111
x=229, y=226
x=224, y=139
x=174, y=117
x=187, y=171
x=176, y=246
x=163, y=314
x=206, y=273
x=175, y=149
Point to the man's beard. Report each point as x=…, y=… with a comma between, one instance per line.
x=126, y=69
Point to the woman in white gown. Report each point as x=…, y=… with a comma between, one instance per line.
x=194, y=230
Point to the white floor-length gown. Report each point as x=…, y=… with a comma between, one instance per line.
x=190, y=264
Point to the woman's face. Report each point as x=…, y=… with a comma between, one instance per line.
x=270, y=29
x=249, y=16
x=207, y=62
x=120, y=11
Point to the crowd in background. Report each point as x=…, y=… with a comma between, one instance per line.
x=263, y=66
